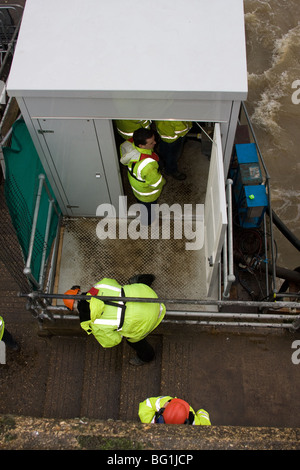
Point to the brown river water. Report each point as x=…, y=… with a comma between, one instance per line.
x=273, y=61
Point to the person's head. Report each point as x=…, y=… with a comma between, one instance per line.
x=176, y=411
x=69, y=302
x=144, y=138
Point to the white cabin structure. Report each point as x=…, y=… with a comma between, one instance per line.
x=78, y=66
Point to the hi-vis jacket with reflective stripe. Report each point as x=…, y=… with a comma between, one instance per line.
x=170, y=131
x=126, y=128
x=1, y=328
x=148, y=408
x=140, y=318
x=143, y=172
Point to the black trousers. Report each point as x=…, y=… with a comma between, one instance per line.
x=143, y=349
x=8, y=339
x=150, y=208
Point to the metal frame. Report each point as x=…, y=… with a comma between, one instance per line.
x=27, y=270
x=228, y=273
x=260, y=319
x=9, y=40
x=263, y=316
x=267, y=176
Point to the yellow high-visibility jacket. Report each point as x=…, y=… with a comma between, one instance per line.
x=1, y=328
x=170, y=131
x=134, y=320
x=150, y=406
x=144, y=175
x=126, y=127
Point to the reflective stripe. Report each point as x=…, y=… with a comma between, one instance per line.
x=168, y=137
x=106, y=322
x=1, y=328
x=157, y=403
x=203, y=414
x=106, y=286
x=141, y=180
x=142, y=166
x=161, y=308
x=129, y=134
x=157, y=183
x=119, y=309
x=145, y=194
x=182, y=130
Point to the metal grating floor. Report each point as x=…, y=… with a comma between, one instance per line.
x=85, y=259
x=180, y=273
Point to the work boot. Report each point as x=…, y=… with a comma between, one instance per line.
x=14, y=346
x=177, y=175
x=142, y=279
x=136, y=361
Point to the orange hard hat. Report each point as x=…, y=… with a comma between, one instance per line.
x=176, y=412
x=70, y=302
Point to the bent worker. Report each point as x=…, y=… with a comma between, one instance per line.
x=110, y=321
x=168, y=410
x=144, y=175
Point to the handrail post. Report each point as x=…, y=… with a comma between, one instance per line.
x=27, y=269
x=229, y=277
x=41, y=279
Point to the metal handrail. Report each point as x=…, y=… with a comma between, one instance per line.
x=228, y=271
x=239, y=303
x=210, y=318
x=27, y=270
x=13, y=39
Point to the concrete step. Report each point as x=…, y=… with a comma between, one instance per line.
x=86, y=380
x=65, y=378
x=138, y=383
x=242, y=378
x=101, y=381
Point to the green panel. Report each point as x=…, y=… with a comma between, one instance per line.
x=23, y=168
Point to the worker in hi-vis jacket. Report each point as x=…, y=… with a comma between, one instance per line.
x=168, y=410
x=172, y=138
x=127, y=127
x=110, y=321
x=144, y=174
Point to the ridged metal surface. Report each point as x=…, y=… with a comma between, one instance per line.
x=86, y=259
x=180, y=273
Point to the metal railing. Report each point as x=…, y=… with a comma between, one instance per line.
x=10, y=21
x=268, y=314
x=27, y=270
x=228, y=271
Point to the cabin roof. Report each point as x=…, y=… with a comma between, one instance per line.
x=165, y=48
